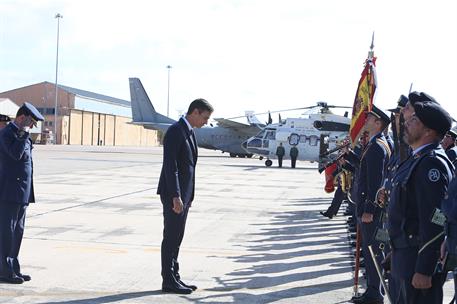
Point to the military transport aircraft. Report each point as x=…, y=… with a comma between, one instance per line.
x=227, y=136
x=313, y=135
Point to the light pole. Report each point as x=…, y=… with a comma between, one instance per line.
x=57, y=16
x=168, y=96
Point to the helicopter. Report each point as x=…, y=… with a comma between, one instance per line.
x=314, y=134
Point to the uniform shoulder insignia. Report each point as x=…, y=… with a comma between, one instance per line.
x=434, y=175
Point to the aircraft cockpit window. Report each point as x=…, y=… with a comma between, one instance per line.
x=266, y=143
x=260, y=134
x=270, y=135
x=255, y=143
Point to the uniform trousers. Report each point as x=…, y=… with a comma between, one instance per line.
x=368, y=238
x=12, y=221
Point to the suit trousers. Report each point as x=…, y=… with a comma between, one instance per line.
x=173, y=232
x=12, y=222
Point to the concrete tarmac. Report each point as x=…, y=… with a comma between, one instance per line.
x=254, y=234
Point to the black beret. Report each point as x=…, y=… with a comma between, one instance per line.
x=433, y=116
x=4, y=118
x=401, y=103
x=420, y=97
x=32, y=111
x=377, y=112
x=452, y=134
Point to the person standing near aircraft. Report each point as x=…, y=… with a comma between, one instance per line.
x=280, y=151
x=293, y=156
x=176, y=188
x=16, y=190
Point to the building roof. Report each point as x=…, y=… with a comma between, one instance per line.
x=8, y=107
x=97, y=96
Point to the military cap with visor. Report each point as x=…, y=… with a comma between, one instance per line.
x=401, y=103
x=380, y=114
x=4, y=118
x=29, y=110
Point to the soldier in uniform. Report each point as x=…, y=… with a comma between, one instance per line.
x=4, y=120
x=293, y=156
x=280, y=151
x=418, y=187
x=449, y=207
x=448, y=144
x=16, y=189
x=372, y=165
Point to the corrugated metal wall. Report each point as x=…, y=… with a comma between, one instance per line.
x=89, y=128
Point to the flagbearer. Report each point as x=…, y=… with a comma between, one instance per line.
x=372, y=163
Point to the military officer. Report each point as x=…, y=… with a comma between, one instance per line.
x=372, y=165
x=418, y=187
x=4, y=120
x=449, y=207
x=16, y=189
x=448, y=144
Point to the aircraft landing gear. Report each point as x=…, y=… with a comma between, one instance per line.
x=232, y=155
x=268, y=163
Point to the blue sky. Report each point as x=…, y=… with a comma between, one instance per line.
x=239, y=55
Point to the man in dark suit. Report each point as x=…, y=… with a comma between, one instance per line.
x=16, y=189
x=176, y=189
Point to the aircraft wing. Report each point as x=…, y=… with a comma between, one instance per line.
x=237, y=126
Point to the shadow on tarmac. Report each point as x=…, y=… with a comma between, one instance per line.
x=302, y=227
x=110, y=298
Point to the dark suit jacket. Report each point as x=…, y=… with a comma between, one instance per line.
x=179, y=159
x=16, y=167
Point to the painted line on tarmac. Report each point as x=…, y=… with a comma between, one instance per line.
x=92, y=202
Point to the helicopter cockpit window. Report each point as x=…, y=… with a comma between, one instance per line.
x=270, y=134
x=313, y=140
x=255, y=143
x=260, y=134
x=266, y=143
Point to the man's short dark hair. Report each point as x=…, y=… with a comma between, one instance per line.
x=201, y=105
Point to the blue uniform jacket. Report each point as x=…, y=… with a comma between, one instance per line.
x=449, y=204
x=177, y=178
x=371, y=174
x=418, y=187
x=452, y=154
x=16, y=167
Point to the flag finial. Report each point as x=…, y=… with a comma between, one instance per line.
x=371, y=52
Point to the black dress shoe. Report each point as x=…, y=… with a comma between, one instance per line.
x=326, y=214
x=12, y=279
x=193, y=287
x=25, y=277
x=176, y=288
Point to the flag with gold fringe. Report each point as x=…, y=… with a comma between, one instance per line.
x=364, y=96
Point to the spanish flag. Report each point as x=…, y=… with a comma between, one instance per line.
x=363, y=102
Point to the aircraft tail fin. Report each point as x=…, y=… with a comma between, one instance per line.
x=142, y=109
x=252, y=119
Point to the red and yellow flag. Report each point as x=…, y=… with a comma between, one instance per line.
x=363, y=102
